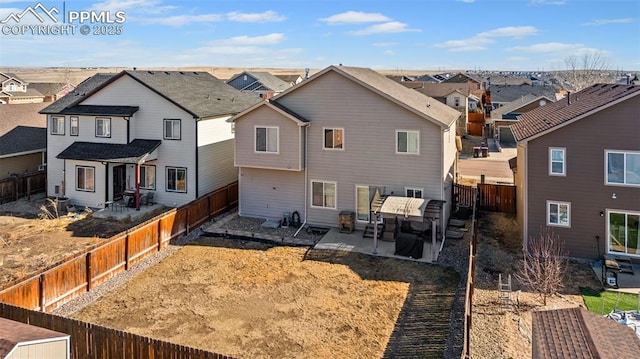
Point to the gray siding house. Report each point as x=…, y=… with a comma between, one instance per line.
x=325, y=145
x=578, y=171
x=263, y=84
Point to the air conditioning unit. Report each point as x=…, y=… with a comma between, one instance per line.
x=42, y=167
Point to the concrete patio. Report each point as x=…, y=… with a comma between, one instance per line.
x=120, y=212
x=627, y=282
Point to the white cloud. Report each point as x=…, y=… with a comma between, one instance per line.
x=478, y=41
x=389, y=53
x=139, y=6
x=181, y=20
x=354, y=17
x=559, y=49
x=267, y=16
x=516, y=32
x=270, y=39
x=391, y=27
x=600, y=22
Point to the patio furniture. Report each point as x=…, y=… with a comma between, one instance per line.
x=346, y=221
x=409, y=245
x=147, y=198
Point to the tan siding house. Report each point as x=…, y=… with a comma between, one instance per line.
x=578, y=171
x=351, y=130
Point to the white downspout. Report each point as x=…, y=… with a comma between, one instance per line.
x=306, y=173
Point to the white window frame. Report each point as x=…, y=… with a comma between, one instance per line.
x=57, y=125
x=417, y=132
x=564, y=161
x=324, y=134
x=168, y=168
x=335, y=194
x=624, y=168
x=100, y=123
x=172, y=135
x=413, y=191
x=84, y=185
x=72, y=120
x=266, y=143
x=559, y=204
x=626, y=239
x=368, y=206
x=143, y=169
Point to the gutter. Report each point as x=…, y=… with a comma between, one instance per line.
x=306, y=182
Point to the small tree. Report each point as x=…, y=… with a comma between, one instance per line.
x=586, y=70
x=544, y=264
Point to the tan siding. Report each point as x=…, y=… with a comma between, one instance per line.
x=289, y=139
x=521, y=189
x=269, y=193
x=216, y=166
x=50, y=350
x=369, y=156
x=20, y=164
x=616, y=128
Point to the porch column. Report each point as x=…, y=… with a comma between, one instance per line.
x=137, y=186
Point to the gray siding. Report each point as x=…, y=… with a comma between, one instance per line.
x=615, y=128
x=289, y=156
x=369, y=157
x=269, y=193
x=215, y=164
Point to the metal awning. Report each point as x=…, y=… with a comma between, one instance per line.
x=406, y=207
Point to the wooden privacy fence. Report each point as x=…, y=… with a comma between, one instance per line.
x=98, y=342
x=16, y=187
x=468, y=303
x=49, y=288
x=497, y=198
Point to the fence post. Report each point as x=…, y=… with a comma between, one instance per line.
x=88, y=268
x=29, y=188
x=126, y=251
x=41, y=292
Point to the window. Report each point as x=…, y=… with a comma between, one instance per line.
x=456, y=101
x=147, y=177
x=333, y=139
x=176, y=179
x=362, y=203
x=103, y=127
x=267, y=139
x=624, y=232
x=85, y=178
x=407, y=142
x=413, y=192
x=12, y=86
x=323, y=194
x=623, y=168
x=57, y=125
x=73, y=126
x=556, y=161
x=558, y=214
x=172, y=129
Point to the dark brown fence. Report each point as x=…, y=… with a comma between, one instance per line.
x=94, y=341
x=468, y=303
x=464, y=195
x=497, y=197
x=16, y=187
x=49, y=288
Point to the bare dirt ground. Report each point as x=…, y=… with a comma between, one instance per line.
x=253, y=300
x=29, y=243
x=499, y=332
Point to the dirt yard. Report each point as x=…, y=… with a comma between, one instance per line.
x=499, y=332
x=252, y=300
x=29, y=243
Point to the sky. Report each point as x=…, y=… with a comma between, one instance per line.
x=436, y=35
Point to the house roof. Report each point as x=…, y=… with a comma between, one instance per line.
x=29, y=93
x=198, y=93
x=578, y=333
x=299, y=120
x=13, y=333
x=516, y=104
x=131, y=152
x=442, y=89
x=12, y=115
x=48, y=88
x=462, y=78
x=508, y=93
x=4, y=76
x=266, y=79
x=97, y=110
x=556, y=114
x=14, y=141
x=508, y=80
x=81, y=91
x=414, y=101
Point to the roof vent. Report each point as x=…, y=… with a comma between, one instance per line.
x=151, y=72
x=181, y=73
x=166, y=72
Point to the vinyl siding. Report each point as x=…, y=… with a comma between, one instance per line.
x=57, y=349
x=20, y=164
x=369, y=123
x=614, y=128
x=215, y=164
x=83, y=198
x=268, y=193
x=289, y=138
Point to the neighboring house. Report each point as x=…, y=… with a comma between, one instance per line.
x=262, y=84
x=14, y=90
x=154, y=131
x=52, y=91
x=578, y=171
x=291, y=79
x=23, y=138
x=325, y=146
x=20, y=341
x=503, y=94
x=474, y=83
x=503, y=117
x=427, y=78
x=507, y=80
x=401, y=78
x=578, y=333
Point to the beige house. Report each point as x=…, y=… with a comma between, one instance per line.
x=327, y=144
x=23, y=341
x=22, y=139
x=15, y=91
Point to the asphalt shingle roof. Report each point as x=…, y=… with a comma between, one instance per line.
x=561, y=111
x=12, y=115
x=12, y=333
x=268, y=80
x=75, y=96
x=97, y=110
x=23, y=139
x=580, y=334
x=92, y=151
x=508, y=93
x=47, y=88
x=516, y=104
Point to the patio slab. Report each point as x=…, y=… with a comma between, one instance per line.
x=627, y=282
x=120, y=212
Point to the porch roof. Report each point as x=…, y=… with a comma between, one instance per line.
x=132, y=152
x=99, y=110
x=417, y=209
